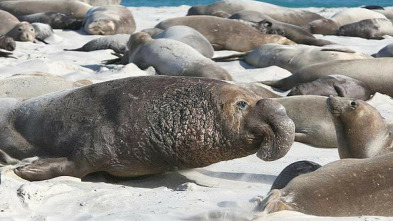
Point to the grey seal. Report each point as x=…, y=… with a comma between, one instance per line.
x=118, y=43
x=386, y=51
x=55, y=19
x=7, y=43
x=377, y=28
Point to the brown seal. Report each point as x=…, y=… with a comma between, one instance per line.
x=141, y=125
x=12, y=27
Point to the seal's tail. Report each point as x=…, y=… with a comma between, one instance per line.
x=232, y=57
x=76, y=49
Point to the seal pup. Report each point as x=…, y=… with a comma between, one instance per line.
x=171, y=57
x=76, y=9
x=361, y=130
x=225, y=34
x=336, y=85
x=12, y=27
x=386, y=51
x=142, y=125
x=109, y=20
x=55, y=19
x=7, y=43
x=348, y=187
x=376, y=73
x=377, y=28
x=118, y=43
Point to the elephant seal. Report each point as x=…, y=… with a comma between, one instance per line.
x=102, y=2
x=293, y=57
x=7, y=43
x=258, y=89
x=376, y=73
x=109, y=20
x=330, y=26
x=313, y=121
x=12, y=27
x=171, y=57
x=373, y=7
x=55, y=19
x=336, y=85
x=225, y=34
x=287, y=15
x=293, y=170
x=141, y=125
x=43, y=32
x=348, y=187
x=76, y=9
x=376, y=28
x=361, y=130
x=188, y=36
x=118, y=43
x=386, y=51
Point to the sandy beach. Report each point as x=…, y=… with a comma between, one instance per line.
x=223, y=191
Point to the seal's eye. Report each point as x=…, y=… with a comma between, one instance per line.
x=242, y=104
x=353, y=104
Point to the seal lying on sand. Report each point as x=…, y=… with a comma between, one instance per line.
x=55, y=19
x=349, y=187
x=386, y=51
x=7, y=43
x=12, y=27
x=377, y=28
x=118, y=43
x=142, y=125
x=226, y=34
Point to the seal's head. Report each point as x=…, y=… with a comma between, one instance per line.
x=24, y=31
x=323, y=26
x=9, y=43
x=102, y=27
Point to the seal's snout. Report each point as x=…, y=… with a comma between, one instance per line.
x=334, y=105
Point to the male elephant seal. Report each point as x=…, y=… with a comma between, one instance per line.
x=376, y=73
x=361, y=130
x=377, y=28
x=348, y=187
x=287, y=15
x=142, y=125
x=7, y=43
x=337, y=85
x=12, y=27
x=171, y=57
x=109, y=20
x=55, y=19
x=19, y=8
x=386, y=51
x=225, y=34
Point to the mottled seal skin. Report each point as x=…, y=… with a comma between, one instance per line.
x=188, y=36
x=76, y=9
x=376, y=73
x=348, y=187
x=361, y=130
x=313, y=120
x=7, y=43
x=226, y=34
x=142, y=125
x=386, y=51
x=171, y=57
x=55, y=19
x=336, y=85
x=293, y=170
x=109, y=20
x=12, y=27
x=376, y=28
x=287, y=15
x=118, y=43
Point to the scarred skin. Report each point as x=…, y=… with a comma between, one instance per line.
x=142, y=125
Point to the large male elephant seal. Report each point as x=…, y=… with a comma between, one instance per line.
x=377, y=28
x=225, y=34
x=377, y=73
x=19, y=8
x=348, y=187
x=109, y=20
x=171, y=57
x=142, y=125
x=7, y=43
x=361, y=130
x=55, y=19
x=287, y=15
x=336, y=85
x=12, y=27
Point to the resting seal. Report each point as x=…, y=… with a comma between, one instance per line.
x=12, y=27
x=109, y=20
x=7, y=43
x=386, y=51
x=361, y=130
x=118, y=43
x=348, y=187
x=337, y=85
x=225, y=34
x=142, y=125
x=55, y=19
x=376, y=28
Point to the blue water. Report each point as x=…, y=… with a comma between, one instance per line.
x=286, y=3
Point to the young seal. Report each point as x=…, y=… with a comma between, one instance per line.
x=55, y=19
x=141, y=125
x=109, y=20
x=226, y=34
x=171, y=57
x=7, y=43
x=377, y=28
x=12, y=27
x=361, y=130
x=349, y=187
x=336, y=85
x=118, y=43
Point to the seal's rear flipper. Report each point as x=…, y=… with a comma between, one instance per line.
x=272, y=203
x=6, y=159
x=49, y=168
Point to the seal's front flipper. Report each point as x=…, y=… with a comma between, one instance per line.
x=49, y=168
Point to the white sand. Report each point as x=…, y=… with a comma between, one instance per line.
x=223, y=191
